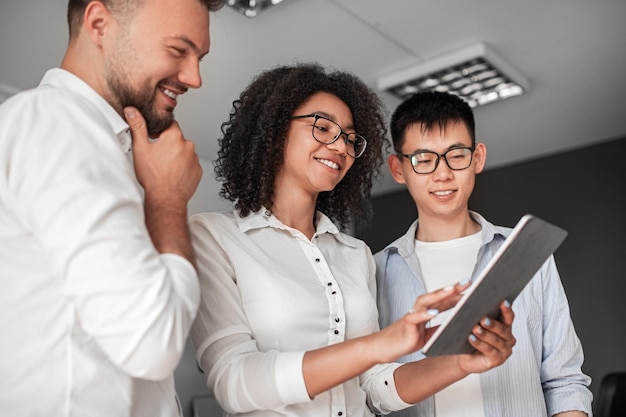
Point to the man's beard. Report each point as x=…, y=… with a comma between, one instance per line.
x=143, y=98
x=155, y=122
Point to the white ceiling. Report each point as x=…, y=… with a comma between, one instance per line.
x=573, y=52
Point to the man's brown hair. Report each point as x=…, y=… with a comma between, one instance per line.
x=76, y=10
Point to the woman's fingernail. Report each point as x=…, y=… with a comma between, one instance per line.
x=464, y=281
x=473, y=338
x=432, y=312
x=487, y=322
x=507, y=304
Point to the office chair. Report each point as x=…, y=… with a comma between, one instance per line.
x=611, y=401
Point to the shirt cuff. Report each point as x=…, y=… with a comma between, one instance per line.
x=172, y=258
x=290, y=379
x=186, y=282
x=383, y=394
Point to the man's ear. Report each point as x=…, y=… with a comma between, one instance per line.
x=395, y=167
x=480, y=156
x=95, y=21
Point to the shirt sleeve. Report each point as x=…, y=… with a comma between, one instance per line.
x=564, y=384
x=379, y=382
x=222, y=338
x=72, y=187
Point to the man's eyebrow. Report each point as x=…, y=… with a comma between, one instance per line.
x=453, y=146
x=458, y=145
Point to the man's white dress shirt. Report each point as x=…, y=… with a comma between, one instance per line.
x=93, y=320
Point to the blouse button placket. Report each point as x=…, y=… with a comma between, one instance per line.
x=336, y=327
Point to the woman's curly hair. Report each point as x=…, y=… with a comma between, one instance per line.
x=251, y=150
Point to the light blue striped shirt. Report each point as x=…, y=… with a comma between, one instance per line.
x=543, y=376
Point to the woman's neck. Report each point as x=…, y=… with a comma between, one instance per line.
x=297, y=212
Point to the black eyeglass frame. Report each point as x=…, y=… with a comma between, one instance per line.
x=341, y=133
x=439, y=157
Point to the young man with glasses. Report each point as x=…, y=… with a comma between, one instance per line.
x=437, y=158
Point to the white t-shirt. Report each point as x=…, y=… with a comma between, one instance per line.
x=443, y=264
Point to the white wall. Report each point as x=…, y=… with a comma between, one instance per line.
x=207, y=196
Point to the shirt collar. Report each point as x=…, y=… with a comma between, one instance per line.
x=488, y=230
x=65, y=80
x=264, y=218
x=405, y=245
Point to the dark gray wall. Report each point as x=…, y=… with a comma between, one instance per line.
x=582, y=191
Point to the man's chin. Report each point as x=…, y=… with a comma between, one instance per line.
x=157, y=126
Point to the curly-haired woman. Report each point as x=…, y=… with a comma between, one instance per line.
x=288, y=322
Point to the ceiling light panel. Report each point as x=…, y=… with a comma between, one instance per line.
x=475, y=73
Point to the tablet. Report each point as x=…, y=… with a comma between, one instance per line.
x=525, y=250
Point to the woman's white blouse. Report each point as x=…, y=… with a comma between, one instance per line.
x=268, y=295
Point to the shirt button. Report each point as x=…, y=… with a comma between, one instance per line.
x=336, y=331
x=337, y=319
x=340, y=413
x=317, y=259
x=330, y=284
x=334, y=292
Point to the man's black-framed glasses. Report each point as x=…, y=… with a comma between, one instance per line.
x=327, y=131
x=425, y=162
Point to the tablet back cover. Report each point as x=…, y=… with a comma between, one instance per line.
x=525, y=250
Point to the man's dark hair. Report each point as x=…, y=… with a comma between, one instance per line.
x=76, y=9
x=429, y=109
x=251, y=149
